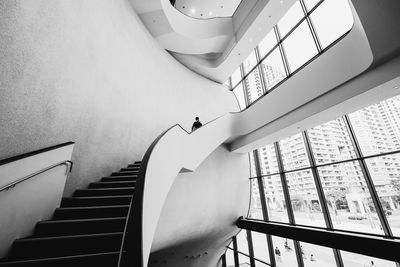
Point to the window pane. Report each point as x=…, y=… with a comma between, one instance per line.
x=349, y=201
x=273, y=69
x=268, y=160
x=267, y=43
x=242, y=244
x=260, y=246
x=293, y=152
x=276, y=205
x=314, y=255
x=358, y=260
x=255, y=205
x=230, y=262
x=304, y=198
x=377, y=127
x=290, y=19
x=299, y=46
x=249, y=62
x=253, y=172
x=311, y=3
x=236, y=77
x=284, y=252
x=385, y=173
x=331, y=142
x=244, y=261
x=332, y=19
x=239, y=93
x=253, y=86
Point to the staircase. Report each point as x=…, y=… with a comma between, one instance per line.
x=85, y=231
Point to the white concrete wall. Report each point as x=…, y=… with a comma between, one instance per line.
x=198, y=217
x=88, y=71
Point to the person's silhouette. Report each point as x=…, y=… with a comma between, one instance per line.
x=197, y=124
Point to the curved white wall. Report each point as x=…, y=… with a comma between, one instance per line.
x=88, y=71
x=198, y=217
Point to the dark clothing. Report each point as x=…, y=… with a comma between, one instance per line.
x=196, y=125
x=277, y=252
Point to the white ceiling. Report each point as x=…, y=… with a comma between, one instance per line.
x=207, y=8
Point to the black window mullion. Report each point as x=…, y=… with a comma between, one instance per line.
x=311, y=26
x=235, y=251
x=223, y=259
x=321, y=195
x=251, y=250
x=368, y=179
x=282, y=51
x=288, y=203
x=264, y=204
x=285, y=188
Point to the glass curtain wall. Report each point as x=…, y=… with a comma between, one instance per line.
x=342, y=175
x=307, y=30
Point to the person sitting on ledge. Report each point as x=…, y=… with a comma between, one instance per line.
x=197, y=124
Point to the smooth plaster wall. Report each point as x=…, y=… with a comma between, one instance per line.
x=88, y=71
x=199, y=215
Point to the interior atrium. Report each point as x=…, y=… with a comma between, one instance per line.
x=296, y=163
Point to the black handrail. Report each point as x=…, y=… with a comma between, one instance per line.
x=32, y=153
x=365, y=244
x=68, y=163
x=131, y=253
